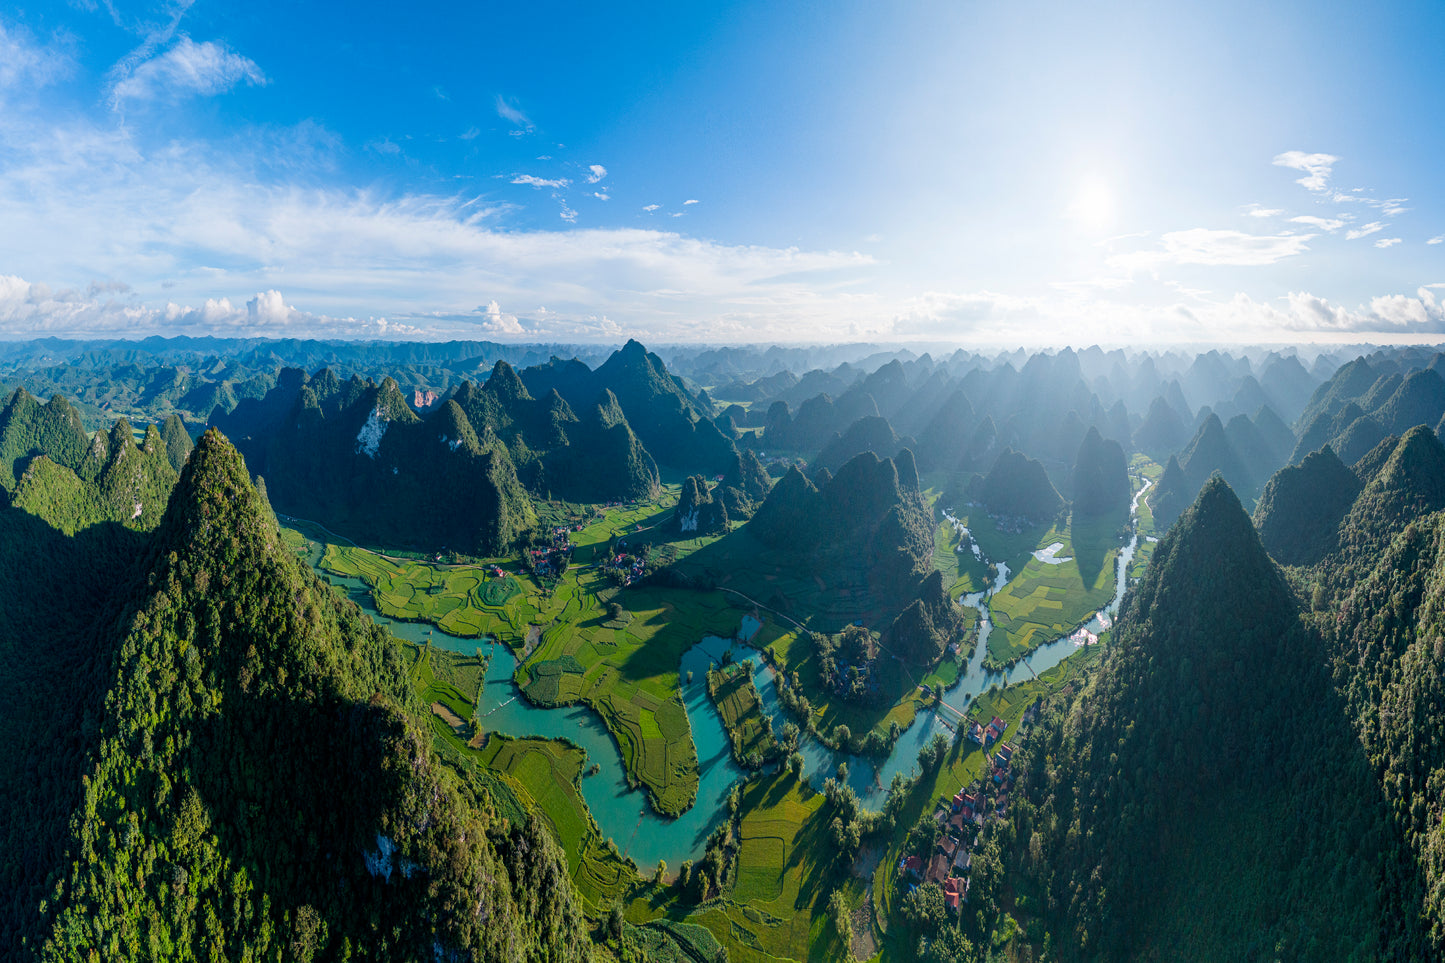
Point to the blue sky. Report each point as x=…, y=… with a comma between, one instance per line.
x=980, y=172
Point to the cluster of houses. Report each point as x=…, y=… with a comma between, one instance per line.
x=552, y=559
x=631, y=566
x=984, y=735
x=962, y=818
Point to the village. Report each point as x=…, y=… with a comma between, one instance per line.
x=552, y=559
x=961, y=820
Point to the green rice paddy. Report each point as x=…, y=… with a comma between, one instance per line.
x=736, y=696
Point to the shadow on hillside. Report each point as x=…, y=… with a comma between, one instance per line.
x=61, y=605
x=1094, y=538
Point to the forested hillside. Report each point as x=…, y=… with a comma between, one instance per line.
x=255, y=781
x=1205, y=792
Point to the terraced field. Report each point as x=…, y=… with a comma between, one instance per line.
x=548, y=771
x=1043, y=601
x=572, y=648
x=736, y=696
x=461, y=600
x=778, y=905
x=963, y=574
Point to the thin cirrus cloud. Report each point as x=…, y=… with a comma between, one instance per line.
x=1365, y=231
x=1327, y=224
x=510, y=112
x=533, y=181
x=1214, y=247
x=186, y=69
x=25, y=65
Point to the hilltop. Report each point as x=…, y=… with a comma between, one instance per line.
x=1017, y=486
x=1148, y=749
x=260, y=754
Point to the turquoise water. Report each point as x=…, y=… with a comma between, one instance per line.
x=620, y=811
x=623, y=813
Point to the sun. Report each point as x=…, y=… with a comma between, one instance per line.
x=1092, y=205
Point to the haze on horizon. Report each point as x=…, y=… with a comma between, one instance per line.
x=986, y=173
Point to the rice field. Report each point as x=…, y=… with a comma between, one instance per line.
x=1044, y=601
x=736, y=696
x=548, y=772
x=778, y=908
x=571, y=649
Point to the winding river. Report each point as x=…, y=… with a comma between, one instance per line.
x=623, y=813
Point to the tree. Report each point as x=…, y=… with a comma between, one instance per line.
x=661, y=872
x=842, y=919
x=795, y=764
x=615, y=921
x=924, y=909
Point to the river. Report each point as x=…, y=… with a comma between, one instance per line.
x=623, y=813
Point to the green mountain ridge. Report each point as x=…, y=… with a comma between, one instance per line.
x=261, y=787
x=1135, y=794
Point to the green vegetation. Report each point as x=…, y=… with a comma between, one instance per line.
x=258, y=779
x=1101, y=477
x=963, y=573
x=353, y=456
x=851, y=549
x=1301, y=507
x=549, y=773
x=749, y=728
x=177, y=440
x=572, y=649
x=1281, y=831
x=28, y=429
x=462, y=600
x=1043, y=601
x=778, y=905
x=1017, y=487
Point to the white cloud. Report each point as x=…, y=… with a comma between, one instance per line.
x=26, y=65
x=1437, y=239
x=1316, y=168
x=601, y=196
x=471, y=133
x=498, y=323
x=1211, y=247
x=1254, y=210
x=539, y=181
x=595, y=173
x=692, y=201
x=948, y=314
x=1390, y=206
x=1387, y=242
x=1329, y=224
x=651, y=207
x=1354, y=234
x=35, y=310
x=512, y=113
x=185, y=69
